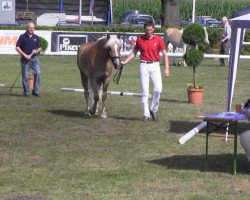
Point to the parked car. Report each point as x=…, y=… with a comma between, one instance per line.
x=202, y=19
x=207, y=21
x=213, y=23
x=130, y=12
x=137, y=20
x=183, y=23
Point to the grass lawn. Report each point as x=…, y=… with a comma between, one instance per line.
x=50, y=150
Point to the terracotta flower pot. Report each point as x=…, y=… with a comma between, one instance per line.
x=31, y=81
x=195, y=96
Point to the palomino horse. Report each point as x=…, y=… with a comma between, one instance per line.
x=95, y=61
x=174, y=36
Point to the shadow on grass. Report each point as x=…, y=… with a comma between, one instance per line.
x=216, y=163
x=69, y=113
x=11, y=94
x=126, y=118
x=173, y=100
x=183, y=126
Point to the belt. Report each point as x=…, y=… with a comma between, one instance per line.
x=148, y=62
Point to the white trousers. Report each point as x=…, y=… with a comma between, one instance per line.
x=245, y=142
x=153, y=72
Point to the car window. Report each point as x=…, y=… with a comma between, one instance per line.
x=143, y=19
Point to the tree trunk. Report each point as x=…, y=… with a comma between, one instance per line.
x=194, y=76
x=171, y=13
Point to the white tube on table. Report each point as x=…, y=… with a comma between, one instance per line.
x=192, y=133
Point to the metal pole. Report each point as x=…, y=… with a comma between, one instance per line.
x=27, y=5
x=61, y=6
x=80, y=12
x=111, y=11
x=193, y=11
x=235, y=149
x=108, y=15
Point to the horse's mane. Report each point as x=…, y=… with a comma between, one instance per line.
x=108, y=42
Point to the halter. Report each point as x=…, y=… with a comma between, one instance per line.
x=116, y=59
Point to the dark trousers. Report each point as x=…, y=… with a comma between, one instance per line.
x=224, y=50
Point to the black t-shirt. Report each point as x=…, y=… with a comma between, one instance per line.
x=28, y=44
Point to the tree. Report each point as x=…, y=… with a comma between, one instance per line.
x=170, y=13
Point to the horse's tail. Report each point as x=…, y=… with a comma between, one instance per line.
x=165, y=39
x=77, y=57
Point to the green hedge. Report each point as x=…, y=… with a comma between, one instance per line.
x=115, y=28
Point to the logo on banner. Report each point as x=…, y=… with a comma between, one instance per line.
x=6, y=5
x=71, y=42
x=8, y=40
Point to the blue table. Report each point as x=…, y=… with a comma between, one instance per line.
x=226, y=121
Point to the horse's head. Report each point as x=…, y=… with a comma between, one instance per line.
x=113, y=45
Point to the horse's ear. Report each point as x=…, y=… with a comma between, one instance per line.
x=108, y=36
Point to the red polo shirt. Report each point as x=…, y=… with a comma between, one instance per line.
x=150, y=48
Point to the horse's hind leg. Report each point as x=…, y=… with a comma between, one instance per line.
x=104, y=97
x=95, y=87
x=174, y=59
x=85, y=84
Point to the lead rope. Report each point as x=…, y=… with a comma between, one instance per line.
x=117, y=75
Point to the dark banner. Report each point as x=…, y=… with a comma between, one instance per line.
x=70, y=41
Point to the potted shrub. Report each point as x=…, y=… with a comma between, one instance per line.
x=194, y=35
x=43, y=43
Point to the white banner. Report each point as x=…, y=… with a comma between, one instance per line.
x=8, y=40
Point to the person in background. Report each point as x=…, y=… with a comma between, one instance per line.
x=245, y=136
x=149, y=46
x=225, y=42
x=28, y=46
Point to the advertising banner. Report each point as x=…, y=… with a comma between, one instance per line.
x=64, y=42
x=8, y=39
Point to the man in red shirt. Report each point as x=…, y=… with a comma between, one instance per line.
x=150, y=45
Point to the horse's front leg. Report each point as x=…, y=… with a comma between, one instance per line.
x=85, y=84
x=104, y=97
x=95, y=87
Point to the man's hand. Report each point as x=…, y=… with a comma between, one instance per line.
x=35, y=51
x=166, y=73
x=123, y=62
x=28, y=57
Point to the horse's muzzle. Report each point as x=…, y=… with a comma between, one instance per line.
x=117, y=62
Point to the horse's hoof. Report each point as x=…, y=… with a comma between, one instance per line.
x=91, y=113
x=104, y=115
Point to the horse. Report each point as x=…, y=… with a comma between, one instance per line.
x=95, y=61
x=174, y=36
